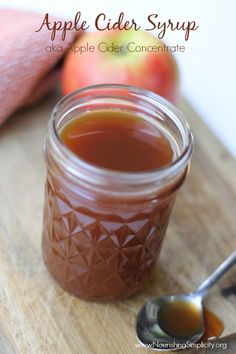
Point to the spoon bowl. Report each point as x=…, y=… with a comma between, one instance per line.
x=171, y=322
x=153, y=333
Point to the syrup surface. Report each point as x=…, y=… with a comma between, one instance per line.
x=117, y=140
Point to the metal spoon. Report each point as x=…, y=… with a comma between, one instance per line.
x=149, y=329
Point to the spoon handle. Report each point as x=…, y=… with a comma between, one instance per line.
x=217, y=274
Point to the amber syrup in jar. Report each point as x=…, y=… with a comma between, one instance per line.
x=116, y=156
x=117, y=140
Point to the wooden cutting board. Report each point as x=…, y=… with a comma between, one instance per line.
x=37, y=316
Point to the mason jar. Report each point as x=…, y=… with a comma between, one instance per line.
x=103, y=229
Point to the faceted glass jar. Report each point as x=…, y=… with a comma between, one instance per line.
x=103, y=229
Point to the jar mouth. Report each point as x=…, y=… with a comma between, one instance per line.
x=151, y=101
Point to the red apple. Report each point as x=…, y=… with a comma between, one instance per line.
x=155, y=71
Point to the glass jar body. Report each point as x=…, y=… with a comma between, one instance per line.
x=101, y=254
x=103, y=231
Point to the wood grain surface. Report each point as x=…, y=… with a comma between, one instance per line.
x=37, y=316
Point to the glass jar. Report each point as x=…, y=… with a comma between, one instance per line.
x=103, y=229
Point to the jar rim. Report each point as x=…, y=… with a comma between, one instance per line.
x=76, y=163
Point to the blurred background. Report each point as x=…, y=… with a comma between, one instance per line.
x=207, y=68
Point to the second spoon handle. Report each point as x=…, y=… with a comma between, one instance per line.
x=217, y=274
